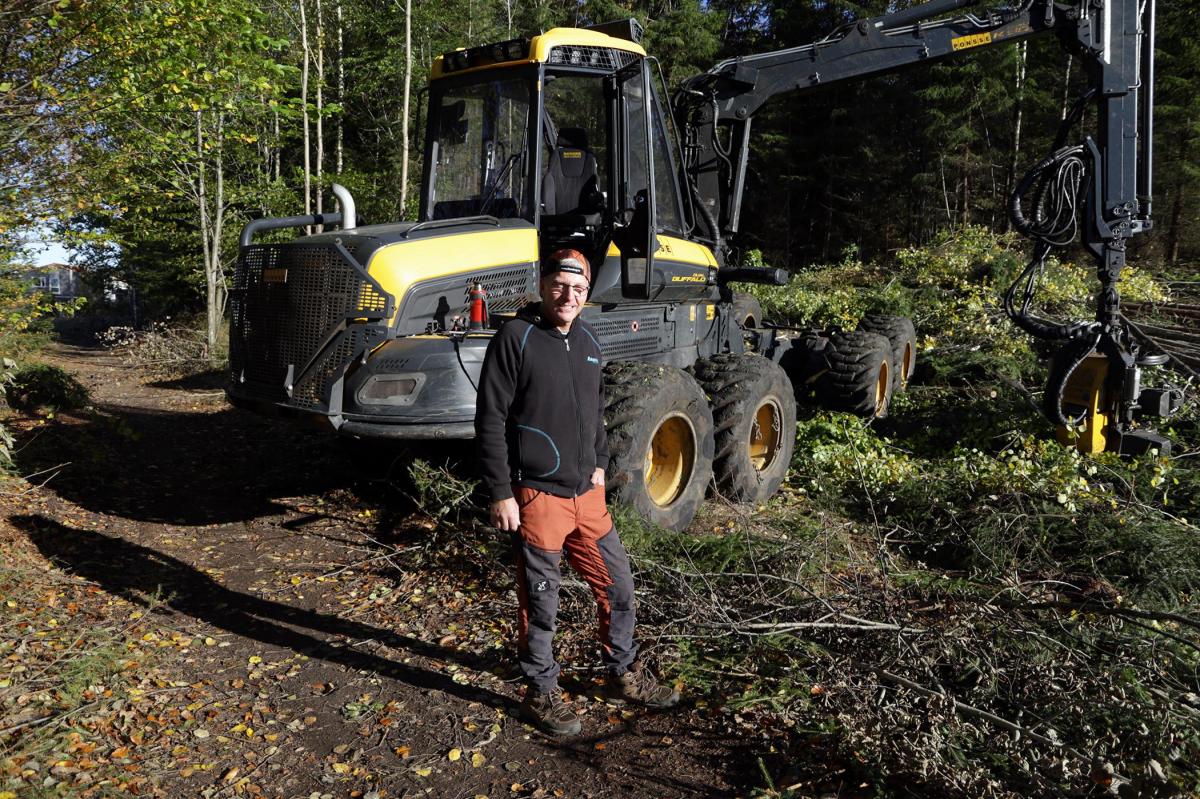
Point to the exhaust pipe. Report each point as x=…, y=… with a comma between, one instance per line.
x=346, y=204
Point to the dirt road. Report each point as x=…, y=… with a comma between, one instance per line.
x=301, y=626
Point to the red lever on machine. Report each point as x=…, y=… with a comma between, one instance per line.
x=478, y=307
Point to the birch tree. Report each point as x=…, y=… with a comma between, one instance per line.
x=407, y=98
x=182, y=124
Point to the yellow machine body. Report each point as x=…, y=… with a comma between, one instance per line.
x=400, y=265
x=1087, y=390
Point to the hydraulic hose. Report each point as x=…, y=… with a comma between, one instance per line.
x=1065, y=362
x=709, y=219
x=1056, y=183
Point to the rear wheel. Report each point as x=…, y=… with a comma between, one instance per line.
x=859, y=379
x=902, y=335
x=660, y=441
x=747, y=310
x=754, y=410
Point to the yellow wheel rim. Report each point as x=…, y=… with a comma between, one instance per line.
x=670, y=459
x=765, y=434
x=906, y=364
x=882, y=381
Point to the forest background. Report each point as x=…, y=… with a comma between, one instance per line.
x=144, y=135
x=945, y=602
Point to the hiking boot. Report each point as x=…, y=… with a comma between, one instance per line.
x=639, y=685
x=550, y=714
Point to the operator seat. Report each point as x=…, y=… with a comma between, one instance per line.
x=570, y=179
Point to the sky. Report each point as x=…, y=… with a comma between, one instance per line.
x=51, y=253
x=42, y=248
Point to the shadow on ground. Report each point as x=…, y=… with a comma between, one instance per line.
x=211, y=381
x=195, y=468
x=150, y=578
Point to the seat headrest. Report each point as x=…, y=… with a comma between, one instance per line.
x=573, y=137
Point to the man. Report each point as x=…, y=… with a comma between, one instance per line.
x=540, y=424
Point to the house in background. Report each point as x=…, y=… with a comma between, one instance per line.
x=61, y=280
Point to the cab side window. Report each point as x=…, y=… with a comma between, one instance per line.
x=667, y=210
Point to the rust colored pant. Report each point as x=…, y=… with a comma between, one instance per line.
x=581, y=527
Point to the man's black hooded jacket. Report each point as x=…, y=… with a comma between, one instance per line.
x=539, y=417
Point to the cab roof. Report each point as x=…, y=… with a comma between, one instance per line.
x=579, y=42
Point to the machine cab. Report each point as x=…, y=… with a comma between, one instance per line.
x=567, y=132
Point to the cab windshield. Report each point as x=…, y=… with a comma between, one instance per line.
x=479, y=149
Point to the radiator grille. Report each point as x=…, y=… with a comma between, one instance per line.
x=309, y=393
x=576, y=55
x=508, y=290
x=619, y=341
x=437, y=302
x=285, y=303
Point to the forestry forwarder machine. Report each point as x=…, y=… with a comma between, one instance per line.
x=564, y=140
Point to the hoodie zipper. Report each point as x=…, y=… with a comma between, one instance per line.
x=578, y=414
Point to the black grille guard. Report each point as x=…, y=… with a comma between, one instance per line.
x=300, y=315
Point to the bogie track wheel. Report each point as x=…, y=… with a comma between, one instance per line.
x=754, y=410
x=660, y=441
x=859, y=379
x=902, y=335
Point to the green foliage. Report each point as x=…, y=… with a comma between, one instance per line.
x=953, y=291
x=46, y=387
x=25, y=317
x=973, y=509
x=25, y=314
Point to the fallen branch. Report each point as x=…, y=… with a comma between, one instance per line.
x=854, y=623
x=970, y=710
x=1100, y=610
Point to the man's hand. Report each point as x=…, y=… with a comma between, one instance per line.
x=598, y=478
x=506, y=514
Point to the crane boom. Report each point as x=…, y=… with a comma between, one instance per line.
x=1114, y=40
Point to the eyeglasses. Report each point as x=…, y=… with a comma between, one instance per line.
x=559, y=289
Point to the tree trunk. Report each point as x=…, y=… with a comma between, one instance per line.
x=215, y=274
x=1174, y=232
x=945, y=191
x=202, y=199
x=1066, y=100
x=320, y=111
x=404, y=117
x=211, y=224
x=341, y=89
x=304, y=113
x=965, y=208
x=1010, y=180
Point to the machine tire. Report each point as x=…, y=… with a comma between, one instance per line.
x=748, y=392
x=859, y=379
x=747, y=310
x=902, y=334
x=660, y=441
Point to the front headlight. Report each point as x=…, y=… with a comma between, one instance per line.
x=399, y=389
